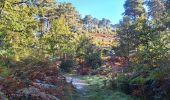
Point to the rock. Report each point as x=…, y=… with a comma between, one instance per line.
x=44, y=85
x=1, y=78
x=32, y=92
x=3, y=96
x=51, y=97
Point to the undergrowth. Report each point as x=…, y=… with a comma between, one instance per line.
x=98, y=91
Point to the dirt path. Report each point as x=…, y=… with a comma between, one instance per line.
x=91, y=87
x=81, y=85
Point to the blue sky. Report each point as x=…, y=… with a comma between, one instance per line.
x=110, y=9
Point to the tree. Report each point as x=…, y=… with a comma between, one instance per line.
x=104, y=23
x=123, y=30
x=2, y=3
x=152, y=49
x=129, y=27
x=134, y=9
x=166, y=17
x=87, y=52
x=71, y=14
x=17, y=26
x=88, y=22
x=156, y=8
x=95, y=23
x=84, y=46
x=58, y=40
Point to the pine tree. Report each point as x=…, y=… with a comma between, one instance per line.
x=134, y=9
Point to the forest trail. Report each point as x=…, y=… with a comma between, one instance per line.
x=91, y=87
x=81, y=85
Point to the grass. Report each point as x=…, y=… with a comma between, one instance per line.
x=98, y=92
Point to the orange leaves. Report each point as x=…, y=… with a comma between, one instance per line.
x=117, y=61
x=37, y=75
x=84, y=70
x=46, y=79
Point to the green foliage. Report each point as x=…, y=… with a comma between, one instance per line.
x=17, y=26
x=67, y=65
x=122, y=78
x=59, y=39
x=134, y=8
x=158, y=73
x=88, y=52
x=138, y=80
x=4, y=70
x=84, y=46
x=97, y=90
x=121, y=96
x=94, y=59
x=147, y=39
x=123, y=83
x=152, y=49
x=125, y=34
x=156, y=8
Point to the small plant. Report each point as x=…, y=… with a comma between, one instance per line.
x=122, y=78
x=4, y=71
x=123, y=83
x=158, y=73
x=138, y=80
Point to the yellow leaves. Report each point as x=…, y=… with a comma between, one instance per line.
x=141, y=48
x=59, y=26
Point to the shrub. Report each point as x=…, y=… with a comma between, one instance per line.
x=94, y=60
x=123, y=83
x=122, y=78
x=158, y=73
x=4, y=71
x=66, y=65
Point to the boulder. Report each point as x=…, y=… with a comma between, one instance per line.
x=28, y=91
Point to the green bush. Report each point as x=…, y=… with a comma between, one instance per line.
x=66, y=65
x=94, y=60
x=123, y=83
x=158, y=73
x=122, y=78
